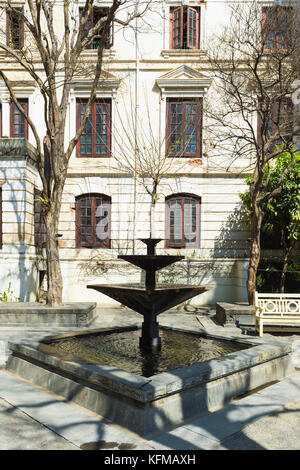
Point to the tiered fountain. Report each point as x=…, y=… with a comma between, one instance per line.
x=150, y=300
x=82, y=367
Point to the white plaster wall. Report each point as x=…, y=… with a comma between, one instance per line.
x=226, y=277
x=136, y=64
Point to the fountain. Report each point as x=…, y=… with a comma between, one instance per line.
x=81, y=365
x=150, y=300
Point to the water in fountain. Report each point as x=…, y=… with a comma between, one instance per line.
x=121, y=350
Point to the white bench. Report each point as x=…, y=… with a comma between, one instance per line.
x=277, y=310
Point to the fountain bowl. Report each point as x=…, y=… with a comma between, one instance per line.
x=147, y=301
x=147, y=405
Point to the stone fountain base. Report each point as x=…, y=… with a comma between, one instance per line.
x=149, y=405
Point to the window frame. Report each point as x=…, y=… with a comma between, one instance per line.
x=94, y=154
x=9, y=32
x=93, y=243
x=180, y=20
x=110, y=39
x=274, y=122
x=199, y=129
x=278, y=30
x=13, y=109
x=182, y=197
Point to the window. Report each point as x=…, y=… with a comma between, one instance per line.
x=14, y=29
x=93, y=221
x=182, y=221
x=18, y=123
x=184, y=127
x=95, y=138
x=39, y=225
x=96, y=15
x=185, y=28
x=280, y=122
x=276, y=27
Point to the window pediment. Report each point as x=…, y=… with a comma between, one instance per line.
x=183, y=81
x=107, y=86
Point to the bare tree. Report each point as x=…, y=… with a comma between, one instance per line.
x=252, y=121
x=60, y=60
x=153, y=160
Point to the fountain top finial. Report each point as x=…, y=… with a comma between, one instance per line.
x=151, y=244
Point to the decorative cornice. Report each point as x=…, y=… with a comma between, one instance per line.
x=22, y=88
x=107, y=85
x=11, y=147
x=184, y=81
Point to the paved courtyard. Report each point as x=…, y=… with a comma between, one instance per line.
x=32, y=418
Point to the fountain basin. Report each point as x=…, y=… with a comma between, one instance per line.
x=151, y=262
x=147, y=301
x=147, y=405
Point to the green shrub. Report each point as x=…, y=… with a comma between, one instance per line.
x=8, y=295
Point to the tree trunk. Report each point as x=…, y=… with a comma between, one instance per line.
x=286, y=257
x=254, y=254
x=54, y=277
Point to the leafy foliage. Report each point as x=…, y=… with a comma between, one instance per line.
x=8, y=295
x=281, y=221
x=269, y=273
x=280, y=226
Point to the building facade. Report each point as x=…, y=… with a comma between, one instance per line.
x=155, y=86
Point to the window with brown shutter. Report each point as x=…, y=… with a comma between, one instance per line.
x=279, y=121
x=96, y=15
x=96, y=136
x=18, y=123
x=93, y=214
x=14, y=29
x=185, y=28
x=182, y=221
x=276, y=27
x=184, y=127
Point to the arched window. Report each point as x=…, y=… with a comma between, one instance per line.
x=183, y=221
x=93, y=221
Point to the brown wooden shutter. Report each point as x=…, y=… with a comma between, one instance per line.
x=171, y=28
x=8, y=31
x=178, y=28
x=11, y=118
x=192, y=28
x=77, y=223
x=21, y=32
x=263, y=27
